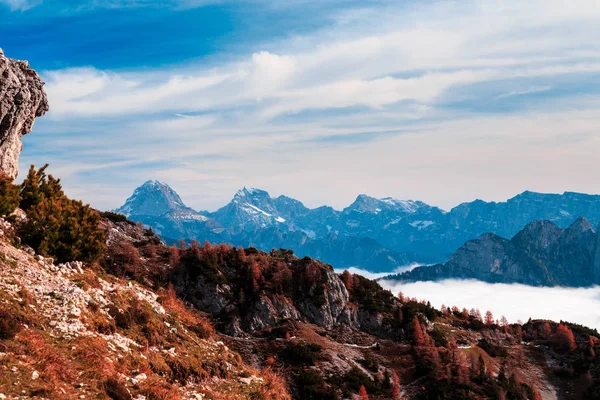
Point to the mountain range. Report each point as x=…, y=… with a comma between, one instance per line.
x=372, y=234
x=542, y=254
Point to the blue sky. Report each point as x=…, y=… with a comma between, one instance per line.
x=442, y=101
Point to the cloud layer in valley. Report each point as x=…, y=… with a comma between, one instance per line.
x=516, y=302
x=440, y=101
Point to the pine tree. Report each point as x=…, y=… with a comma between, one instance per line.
x=57, y=226
x=9, y=195
x=481, y=363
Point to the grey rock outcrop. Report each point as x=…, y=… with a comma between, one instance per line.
x=22, y=100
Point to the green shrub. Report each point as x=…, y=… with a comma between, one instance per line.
x=492, y=350
x=303, y=354
x=9, y=325
x=311, y=386
x=115, y=217
x=9, y=195
x=57, y=226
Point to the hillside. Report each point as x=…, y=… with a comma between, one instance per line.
x=115, y=326
x=542, y=254
x=372, y=234
x=68, y=332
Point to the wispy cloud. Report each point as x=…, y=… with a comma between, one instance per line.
x=461, y=81
x=20, y=5
x=524, y=92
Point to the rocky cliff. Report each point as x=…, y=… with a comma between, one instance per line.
x=22, y=100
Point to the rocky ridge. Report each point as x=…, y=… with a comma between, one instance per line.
x=22, y=100
x=542, y=254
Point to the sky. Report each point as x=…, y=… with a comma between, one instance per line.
x=440, y=101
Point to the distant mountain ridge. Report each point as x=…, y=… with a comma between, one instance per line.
x=373, y=234
x=542, y=254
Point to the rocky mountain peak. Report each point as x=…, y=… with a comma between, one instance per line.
x=22, y=100
x=580, y=225
x=538, y=234
x=251, y=193
x=365, y=203
x=153, y=198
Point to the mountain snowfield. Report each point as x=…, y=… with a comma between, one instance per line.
x=377, y=235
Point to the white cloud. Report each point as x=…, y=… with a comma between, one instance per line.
x=531, y=90
x=516, y=302
x=391, y=100
x=21, y=5
x=336, y=69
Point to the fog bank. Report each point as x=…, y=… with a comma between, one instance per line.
x=377, y=275
x=515, y=301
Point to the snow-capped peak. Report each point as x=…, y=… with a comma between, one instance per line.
x=251, y=192
x=364, y=203
x=154, y=198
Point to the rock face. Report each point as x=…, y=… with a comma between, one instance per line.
x=542, y=254
x=304, y=289
x=22, y=100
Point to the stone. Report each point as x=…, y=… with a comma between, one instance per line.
x=22, y=100
x=35, y=375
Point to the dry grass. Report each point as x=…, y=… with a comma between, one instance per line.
x=155, y=388
x=93, y=354
x=273, y=388
x=55, y=368
x=190, y=318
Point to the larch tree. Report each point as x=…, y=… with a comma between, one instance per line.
x=489, y=318
x=396, y=394
x=592, y=343
x=418, y=336
x=346, y=278
x=174, y=256
x=563, y=338
x=362, y=393
x=545, y=330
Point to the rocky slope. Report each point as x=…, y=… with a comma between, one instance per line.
x=22, y=100
x=542, y=254
x=373, y=234
x=69, y=331
x=131, y=326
